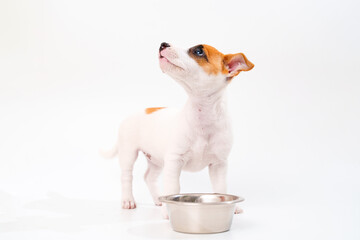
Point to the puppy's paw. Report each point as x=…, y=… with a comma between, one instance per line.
x=156, y=200
x=164, y=212
x=238, y=210
x=128, y=204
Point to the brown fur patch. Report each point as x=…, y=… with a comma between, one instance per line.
x=151, y=110
x=212, y=63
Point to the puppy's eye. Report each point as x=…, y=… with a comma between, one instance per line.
x=199, y=52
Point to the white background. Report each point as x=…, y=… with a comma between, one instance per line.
x=70, y=71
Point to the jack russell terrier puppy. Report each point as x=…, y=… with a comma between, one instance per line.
x=197, y=136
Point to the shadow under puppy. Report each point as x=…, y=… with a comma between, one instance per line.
x=197, y=136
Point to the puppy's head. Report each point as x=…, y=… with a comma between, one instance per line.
x=201, y=70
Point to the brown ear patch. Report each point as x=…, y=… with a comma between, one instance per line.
x=151, y=110
x=211, y=61
x=237, y=61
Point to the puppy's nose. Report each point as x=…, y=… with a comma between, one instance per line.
x=163, y=46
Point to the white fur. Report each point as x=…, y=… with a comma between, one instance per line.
x=197, y=136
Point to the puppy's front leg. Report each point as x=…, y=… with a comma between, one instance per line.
x=171, y=178
x=217, y=174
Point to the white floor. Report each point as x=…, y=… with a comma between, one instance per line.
x=58, y=217
x=301, y=209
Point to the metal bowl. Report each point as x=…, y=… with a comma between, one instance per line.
x=201, y=212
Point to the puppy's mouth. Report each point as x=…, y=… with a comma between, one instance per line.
x=163, y=58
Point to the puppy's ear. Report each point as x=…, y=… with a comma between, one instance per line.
x=235, y=63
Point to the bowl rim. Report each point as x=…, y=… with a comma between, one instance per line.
x=165, y=199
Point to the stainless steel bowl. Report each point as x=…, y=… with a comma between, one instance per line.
x=201, y=212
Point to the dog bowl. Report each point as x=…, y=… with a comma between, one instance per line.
x=201, y=212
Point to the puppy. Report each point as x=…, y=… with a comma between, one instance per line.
x=197, y=136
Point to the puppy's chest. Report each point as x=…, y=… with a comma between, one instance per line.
x=202, y=151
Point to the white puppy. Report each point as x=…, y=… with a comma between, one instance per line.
x=197, y=136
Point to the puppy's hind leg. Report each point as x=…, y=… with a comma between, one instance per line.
x=127, y=159
x=152, y=173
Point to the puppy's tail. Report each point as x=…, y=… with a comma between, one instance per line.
x=108, y=154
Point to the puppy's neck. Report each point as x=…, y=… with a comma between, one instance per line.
x=206, y=111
